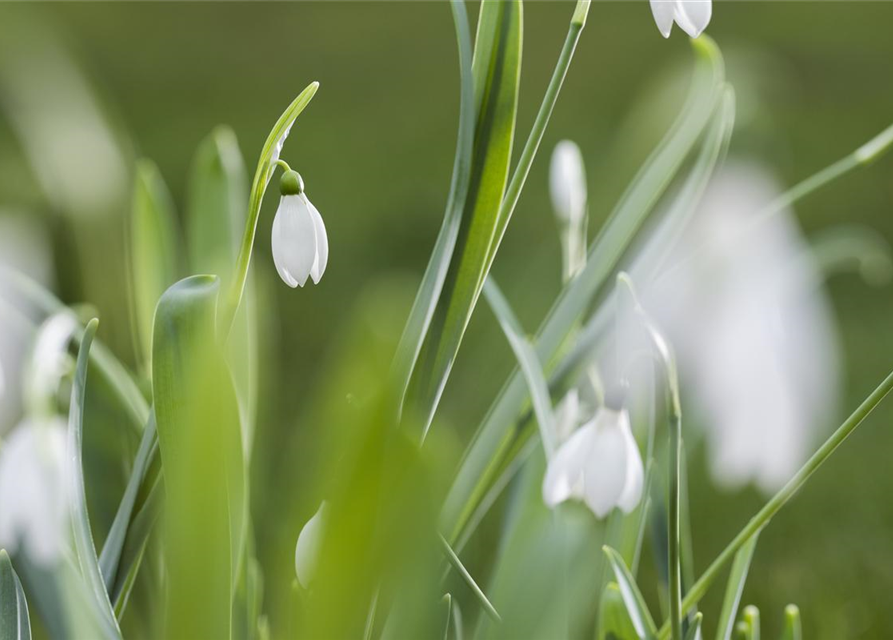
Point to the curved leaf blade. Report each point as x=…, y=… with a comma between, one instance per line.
x=14, y=621
x=734, y=589
x=635, y=604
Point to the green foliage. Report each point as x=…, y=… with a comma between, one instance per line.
x=14, y=621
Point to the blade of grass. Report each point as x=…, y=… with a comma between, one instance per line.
x=466, y=576
x=780, y=499
x=80, y=519
x=527, y=361
x=792, y=627
x=632, y=597
x=694, y=630
x=438, y=265
x=613, y=620
x=14, y=621
x=734, y=589
x=496, y=71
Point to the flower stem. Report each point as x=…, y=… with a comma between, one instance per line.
x=762, y=518
x=673, y=524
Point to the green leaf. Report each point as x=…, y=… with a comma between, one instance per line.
x=792, y=628
x=734, y=589
x=638, y=612
x=613, y=620
x=438, y=265
x=198, y=433
x=694, y=629
x=752, y=622
x=215, y=219
x=469, y=580
x=80, y=519
x=527, y=361
x=494, y=436
x=14, y=621
x=153, y=248
x=496, y=69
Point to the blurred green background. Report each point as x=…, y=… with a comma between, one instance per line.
x=376, y=148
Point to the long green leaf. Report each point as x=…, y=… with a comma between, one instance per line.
x=792, y=627
x=734, y=589
x=496, y=70
x=262, y=175
x=153, y=248
x=613, y=620
x=438, y=265
x=494, y=436
x=527, y=361
x=80, y=519
x=14, y=621
x=198, y=433
x=469, y=580
x=632, y=597
x=694, y=630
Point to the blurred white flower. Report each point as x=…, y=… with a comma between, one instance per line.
x=34, y=492
x=300, y=244
x=309, y=545
x=599, y=463
x=752, y=330
x=567, y=186
x=692, y=16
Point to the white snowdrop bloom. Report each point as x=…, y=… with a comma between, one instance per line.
x=567, y=183
x=600, y=464
x=692, y=16
x=34, y=493
x=300, y=244
x=752, y=329
x=309, y=545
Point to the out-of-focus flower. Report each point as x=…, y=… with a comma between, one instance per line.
x=752, y=330
x=599, y=463
x=34, y=492
x=692, y=16
x=50, y=361
x=567, y=186
x=300, y=244
x=308, y=547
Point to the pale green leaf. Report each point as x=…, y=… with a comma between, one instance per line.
x=792, y=626
x=734, y=589
x=613, y=620
x=638, y=612
x=694, y=629
x=14, y=621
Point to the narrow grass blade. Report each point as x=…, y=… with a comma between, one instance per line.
x=613, y=620
x=198, y=433
x=632, y=597
x=153, y=248
x=494, y=436
x=496, y=70
x=466, y=576
x=448, y=605
x=14, y=621
x=752, y=622
x=438, y=265
x=134, y=548
x=738, y=576
x=527, y=361
x=265, y=167
x=792, y=627
x=80, y=519
x=694, y=629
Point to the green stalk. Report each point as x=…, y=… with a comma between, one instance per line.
x=762, y=518
x=673, y=523
x=519, y=177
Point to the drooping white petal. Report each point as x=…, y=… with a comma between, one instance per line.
x=565, y=474
x=664, y=11
x=308, y=547
x=34, y=493
x=567, y=183
x=693, y=16
x=632, y=491
x=322, y=244
x=604, y=477
x=294, y=242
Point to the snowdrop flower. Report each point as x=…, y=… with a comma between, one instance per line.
x=692, y=16
x=34, y=493
x=300, y=244
x=752, y=330
x=600, y=464
x=309, y=545
x=567, y=186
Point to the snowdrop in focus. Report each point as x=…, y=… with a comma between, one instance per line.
x=34, y=493
x=300, y=244
x=692, y=16
x=599, y=464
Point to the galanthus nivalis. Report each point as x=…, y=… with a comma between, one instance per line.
x=692, y=16
x=308, y=547
x=34, y=492
x=567, y=186
x=599, y=463
x=300, y=244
